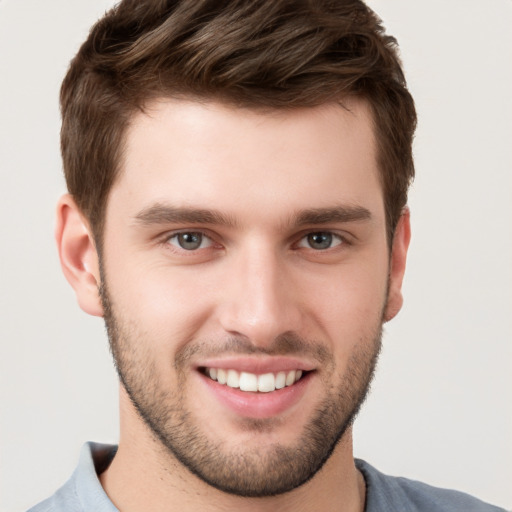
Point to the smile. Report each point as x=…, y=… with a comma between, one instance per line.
x=245, y=381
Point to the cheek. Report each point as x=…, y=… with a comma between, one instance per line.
x=348, y=305
x=171, y=306
x=164, y=306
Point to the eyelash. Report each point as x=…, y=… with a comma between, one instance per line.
x=200, y=233
x=333, y=236
x=341, y=241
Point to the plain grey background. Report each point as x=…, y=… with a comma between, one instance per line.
x=441, y=408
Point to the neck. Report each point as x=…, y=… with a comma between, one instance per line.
x=144, y=476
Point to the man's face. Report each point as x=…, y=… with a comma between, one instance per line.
x=247, y=247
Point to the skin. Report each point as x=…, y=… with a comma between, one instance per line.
x=254, y=279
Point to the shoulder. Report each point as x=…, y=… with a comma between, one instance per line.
x=64, y=500
x=386, y=493
x=83, y=491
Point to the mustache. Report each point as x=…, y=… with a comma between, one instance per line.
x=288, y=343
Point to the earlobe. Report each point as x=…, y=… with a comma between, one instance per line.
x=78, y=255
x=397, y=264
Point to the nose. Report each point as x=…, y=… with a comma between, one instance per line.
x=259, y=300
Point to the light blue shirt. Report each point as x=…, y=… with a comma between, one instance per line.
x=83, y=491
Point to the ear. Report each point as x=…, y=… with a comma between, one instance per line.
x=401, y=240
x=78, y=255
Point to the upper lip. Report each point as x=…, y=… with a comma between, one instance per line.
x=257, y=364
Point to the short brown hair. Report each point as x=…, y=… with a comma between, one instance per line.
x=275, y=54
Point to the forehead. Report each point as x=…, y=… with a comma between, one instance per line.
x=216, y=156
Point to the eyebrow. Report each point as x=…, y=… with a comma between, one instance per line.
x=336, y=214
x=165, y=214
x=161, y=213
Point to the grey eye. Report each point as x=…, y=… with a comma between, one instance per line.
x=320, y=240
x=190, y=241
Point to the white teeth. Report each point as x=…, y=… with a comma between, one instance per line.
x=266, y=383
x=280, y=380
x=290, y=378
x=246, y=381
x=221, y=376
x=233, y=380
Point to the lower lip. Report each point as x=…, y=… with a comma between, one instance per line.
x=258, y=405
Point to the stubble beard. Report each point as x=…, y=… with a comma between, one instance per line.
x=277, y=470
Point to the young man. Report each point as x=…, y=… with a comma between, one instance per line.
x=238, y=176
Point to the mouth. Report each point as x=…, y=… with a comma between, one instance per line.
x=257, y=388
x=252, y=382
